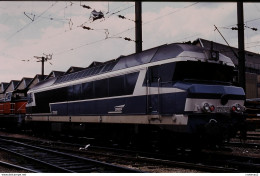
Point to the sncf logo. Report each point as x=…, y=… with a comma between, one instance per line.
x=118, y=109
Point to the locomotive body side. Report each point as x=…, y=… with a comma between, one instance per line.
x=185, y=91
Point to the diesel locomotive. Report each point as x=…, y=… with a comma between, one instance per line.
x=12, y=106
x=172, y=89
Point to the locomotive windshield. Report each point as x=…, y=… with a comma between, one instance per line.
x=8, y=96
x=190, y=71
x=201, y=71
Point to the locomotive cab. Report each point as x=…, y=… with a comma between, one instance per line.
x=15, y=103
x=205, y=101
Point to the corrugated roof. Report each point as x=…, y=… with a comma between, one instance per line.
x=12, y=85
x=24, y=81
x=38, y=76
x=55, y=74
x=73, y=69
x=3, y=86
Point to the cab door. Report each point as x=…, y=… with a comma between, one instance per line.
x=159, y=78
x=153, y=90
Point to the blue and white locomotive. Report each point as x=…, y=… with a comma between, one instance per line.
x=179, y=88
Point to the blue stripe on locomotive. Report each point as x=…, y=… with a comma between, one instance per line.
x=173, y=103
x=165, y=104
x=206, y=91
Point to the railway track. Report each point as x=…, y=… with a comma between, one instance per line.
x=51, y=161
x=202, y=162
x=251, y=136
x=16, y=167
x=241, y=163
x=123, y=156
x=212, y=161
x=244, y=145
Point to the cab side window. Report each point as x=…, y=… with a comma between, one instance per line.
x=164, y=72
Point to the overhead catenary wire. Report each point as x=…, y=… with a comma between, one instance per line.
x=113, y=13
x=236, y=28
x=114, y=35
x=253, y=28
x=114, y=9
x=80, y=46
x=123, y=17
x=245, y=22
x=162, y=16
x=231, y=25
x=97, y=30
x=70, y=23
x=109, y=12
x=106, y=32
x=25, y=26
x=226, y=42
x=44, y=17
x=28, y=24
x=134, y=27
x=102, y=40
x=59, y=33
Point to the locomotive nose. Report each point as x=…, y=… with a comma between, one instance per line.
x=224, y=99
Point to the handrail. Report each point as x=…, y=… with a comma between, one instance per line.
x=158, y=106
x=12, y=108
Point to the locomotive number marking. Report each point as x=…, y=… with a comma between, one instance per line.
x=222, y=109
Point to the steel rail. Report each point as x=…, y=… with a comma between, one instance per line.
x=56, y=168
x=6, y=164
x=139, y=156
x=242, y=163
x=244, y=145
x=62, y=161
x=203, y=163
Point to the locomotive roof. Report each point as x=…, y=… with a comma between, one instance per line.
x=167, y=51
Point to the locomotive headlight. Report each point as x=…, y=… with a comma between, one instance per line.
x=237, y=108
x=208, y=108
x=212, y=108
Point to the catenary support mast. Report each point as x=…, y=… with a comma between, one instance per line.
x=138, y=26
x=241, y=45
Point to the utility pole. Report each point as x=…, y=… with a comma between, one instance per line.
x=42, y=60
x=138, y=26
x=241, y=45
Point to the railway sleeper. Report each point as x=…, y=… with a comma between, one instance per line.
x=67, y=164
x=91, y=170
x=73, y=167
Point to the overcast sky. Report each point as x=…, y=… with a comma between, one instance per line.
x=31, y=28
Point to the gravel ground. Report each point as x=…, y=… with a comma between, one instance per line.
x=243, y=151
x=162, y=169
x=5, y=157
